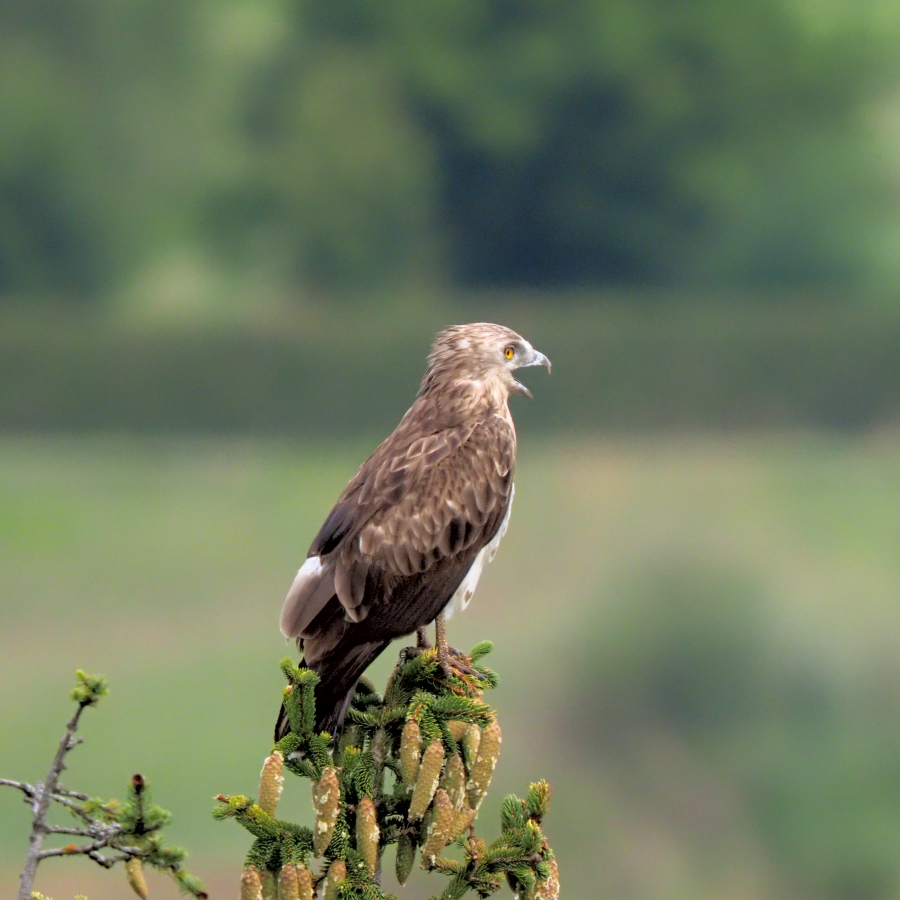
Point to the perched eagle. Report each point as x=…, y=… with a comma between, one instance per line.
x=408, y=538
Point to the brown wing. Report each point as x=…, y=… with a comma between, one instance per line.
x=445, y=511
x=405, y=532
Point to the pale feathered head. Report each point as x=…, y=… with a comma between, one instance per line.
x=480, y=352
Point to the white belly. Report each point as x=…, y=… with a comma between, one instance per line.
x=463, y=594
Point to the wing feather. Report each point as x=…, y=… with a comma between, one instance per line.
x=313, y=587
x=404, y=533
x=447, y=507
x=350, y=581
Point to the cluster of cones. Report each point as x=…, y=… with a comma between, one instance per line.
x=410, y=768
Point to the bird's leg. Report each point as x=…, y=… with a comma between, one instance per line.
x=452, y=661
x=440, y=640
x=421, y=644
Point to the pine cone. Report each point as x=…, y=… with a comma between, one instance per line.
x=327, y=803
x=427, y=779
x=367, y=834
x=485, y=763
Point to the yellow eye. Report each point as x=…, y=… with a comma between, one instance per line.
x=509, y=352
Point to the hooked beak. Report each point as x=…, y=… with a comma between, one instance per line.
x=537, y=359
x=540, y=360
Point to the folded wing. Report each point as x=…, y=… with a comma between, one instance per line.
x=403, y=536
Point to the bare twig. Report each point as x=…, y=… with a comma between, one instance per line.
x=23, y=786
x=75, y=795
x=126, y=830
x=76, y=809
x=74, y=849
x=109, y=861
x=78, y=832
x=41, y=795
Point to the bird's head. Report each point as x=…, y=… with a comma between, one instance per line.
x=481, y=353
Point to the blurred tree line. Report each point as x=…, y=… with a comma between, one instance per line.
x=334, y=144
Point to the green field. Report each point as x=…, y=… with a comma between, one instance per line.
x=698, y=641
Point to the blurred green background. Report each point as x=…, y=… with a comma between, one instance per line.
x=228, y=232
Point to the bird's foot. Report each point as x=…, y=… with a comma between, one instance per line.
x=462, y=662
x=446, y=668
x=457, y=667
x=421, y=644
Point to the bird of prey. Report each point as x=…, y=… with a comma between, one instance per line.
x=408, y=538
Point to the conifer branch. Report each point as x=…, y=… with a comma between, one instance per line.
x=411, y=769
x=128, y=829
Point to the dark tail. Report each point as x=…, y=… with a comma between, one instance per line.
x=339, y=670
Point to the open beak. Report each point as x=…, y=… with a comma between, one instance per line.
x=537, y=359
